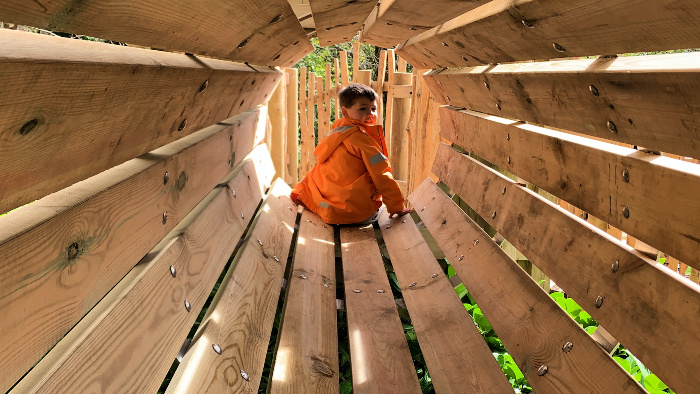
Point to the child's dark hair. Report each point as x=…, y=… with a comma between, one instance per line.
x=349, y=94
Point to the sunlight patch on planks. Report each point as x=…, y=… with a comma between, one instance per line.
x=607, y=278
x=533, y=328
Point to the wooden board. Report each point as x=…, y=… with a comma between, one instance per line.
x=395, y=21
x=293, y=125
x=533, y=328
x=242, y=313
x=641, y=301
x=381, y=361
x=504, y=31
x=307, y=353
x=398, y=153
x=71, y=109
x=128, y=341
x=445, y=330
x=62, y=254
x=259, y=32
x=651, y=101
x=599, y=178
x=277, y=113
x=338, y=21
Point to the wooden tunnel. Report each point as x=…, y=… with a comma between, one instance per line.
x=140, y=171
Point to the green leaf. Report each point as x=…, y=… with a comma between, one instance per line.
x=624, y=364
x=346, y=387
x=652, y=382
x=461, y=291
x=450, y=272
x=481, y=320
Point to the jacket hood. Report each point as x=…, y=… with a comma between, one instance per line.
x=340, y=130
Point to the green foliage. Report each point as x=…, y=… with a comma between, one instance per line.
x=639, y=372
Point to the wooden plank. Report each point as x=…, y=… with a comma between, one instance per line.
x=277, y=111
x=445, y=330
x=243, y=310
x=51, y=134
x=293, y=125
x=398, y=155
x=381, y=361
x=307, y=353
x=338, y=21
x=322, y=114
x=531, y=325
x=345, y=75
x=639, y=301
x=78, y=243
x=381, y=77
x=143, y=321
x=306, y=144
x=603, y=179
x=364, y=77
x=389, y=114
x=355, y=60
x=313, y=127
x=651, y=101
x=402, y=91
x=240, y=31
x=336, y=88
x=395, y=21
x=327, y=95
x=503, y=31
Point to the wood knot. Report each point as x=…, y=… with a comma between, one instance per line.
x=181, y=181
x=29, y=126
x=322, y=367
x=73, y=251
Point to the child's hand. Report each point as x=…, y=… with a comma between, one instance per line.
x=403, y=212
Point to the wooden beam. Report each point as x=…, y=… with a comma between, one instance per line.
x=293, y=125
x=278, y=120
x=395, y=21
x=398, y=155
x=618, y=284
x=530, y=323
x=381, y=77
x=345, y=66
x=381, y=361
x=503, y=31
x=650, y=101
x=307, y=353
x=243, y=311
x=143, y=321
x=338, y=21
x=609, y=181
x=71, y=109
x=78, y=243
x=306, y=143
x=238, y=30
x=356, y=53
x=445, y=330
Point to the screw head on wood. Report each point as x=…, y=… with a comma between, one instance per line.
x=498, y=105
x=476, y=242
x=508, y=137
x=434, y=275
x=413, y=284
x=325, y=285
x=216, y=348
x=388, y=227
x=260, y=243
x=567, y=347
x=357, y=291
x=461, y=257
x=277, y=259
x=166, y=177
x=503, y=192
x=558, y=47
x=542, y=370
x=233, y=193
x=173, y=272
x=528, y=24
x=204, y=86
x=242, y=215
x=615, y=266
x=182, y=125
x=493, y=215
x=165, y=217
x=594, y=90
x=188, y=306
x=380, y=291
x=626, y=176
x=403, y=221
x=626, y=212
x=612, y=126
x=487, y=85
x=245, y=376
x=302, y=277
x=599, y=301
x=508, y=159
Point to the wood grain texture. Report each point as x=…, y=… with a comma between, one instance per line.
x=307, y=353
x=395, y=21
x=446, y=332
x=504, y=31
x=651, y=101
x=381, y=361
x=531, y=325
x=264, y=32
x=339, y=20
x=599, y=178
x=75, y=245
x=641, y=302
x=293, y=124
x=128, y=341
x=71, y=109
x=243, y=311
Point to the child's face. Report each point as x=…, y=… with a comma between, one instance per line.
x=364, y=110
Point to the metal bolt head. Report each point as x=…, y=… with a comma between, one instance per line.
x=325, y=285
x=558, y=47
x=166, y=177
x=527, y=23
x=277, y=259
x=413, y=284
x=182, y=125
x=388, y=227
x=476, y=242
x=260, y=243
x=508, y=159
x=461, y=257
x=188, y=306
x=380, y=291
x=594, y=90
x=612, y=126
x=302, y=277
x=542, y=370
x=615, y=266
x=567, y=347
x=493, y=215
x=599, y=301
x=508, y=137
x=626, y=176
x=487, y=85
x=204, y=86
x=357, y=291
x=503, y=192
x=216, y=348
x=498, y=105
x=233, y=193
x=245, y=376
x=172, y=271
x=403, y=221
x=242, y=215
x=422, y=209
x=434, y=275
x=165, y=217
x=626, y=212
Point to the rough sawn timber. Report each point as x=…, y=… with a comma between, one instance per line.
x=533, y=328
x=579, y=257
x=339, y=20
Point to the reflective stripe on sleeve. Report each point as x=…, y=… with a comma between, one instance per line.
x=323, y=204
x=341, y=129
x=376, y=159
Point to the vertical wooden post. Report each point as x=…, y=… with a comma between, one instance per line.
x=403, y=65
x=388, y=114
x=304, y=125
x=320, y=111
x=327, y=94
x=355, y=60
x=293, y=125
x=381, y=72
x=278, y=122
x=398, y=156
x=311, y=117
x=364, y=77
x=337, y=84
x=346, y=68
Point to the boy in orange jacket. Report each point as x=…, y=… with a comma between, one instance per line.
x=352, y=174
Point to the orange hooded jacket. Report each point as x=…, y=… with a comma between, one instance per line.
x=351, y=175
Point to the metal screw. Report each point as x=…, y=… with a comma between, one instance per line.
x=166, y=177
x=182, y=125
x=507, y=137
x=277, y=259
x=204, y=86
x=626, y=212
x=165, y=217
x=434, y=275
x=599, y=301
x=626, y=176
x=612, y=126
x=245, y=376
x=615, y=266
x=594, y=90
x=260, y=243
x=357, y=291
x=403, y=221
x=302, y=277
x=188, y=306
x=476, y=242
x=498, y=105
x=487, y=85
x=558, y=47
x=465, y=58
x=508, y=159
x=233, y=193
x=567, y=347
x=230, y=137
x=493, y=215
x=380, y=291
x=325, y=285
x=461, y=257
x=542, y=370
x=172, y=271
x=388, y=227
x=422, y=209
x=527, y=23
x=216, y=348
x=413, y=284
x=504, y=191
x=242, y=215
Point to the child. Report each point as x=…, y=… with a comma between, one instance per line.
x=352, y=173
